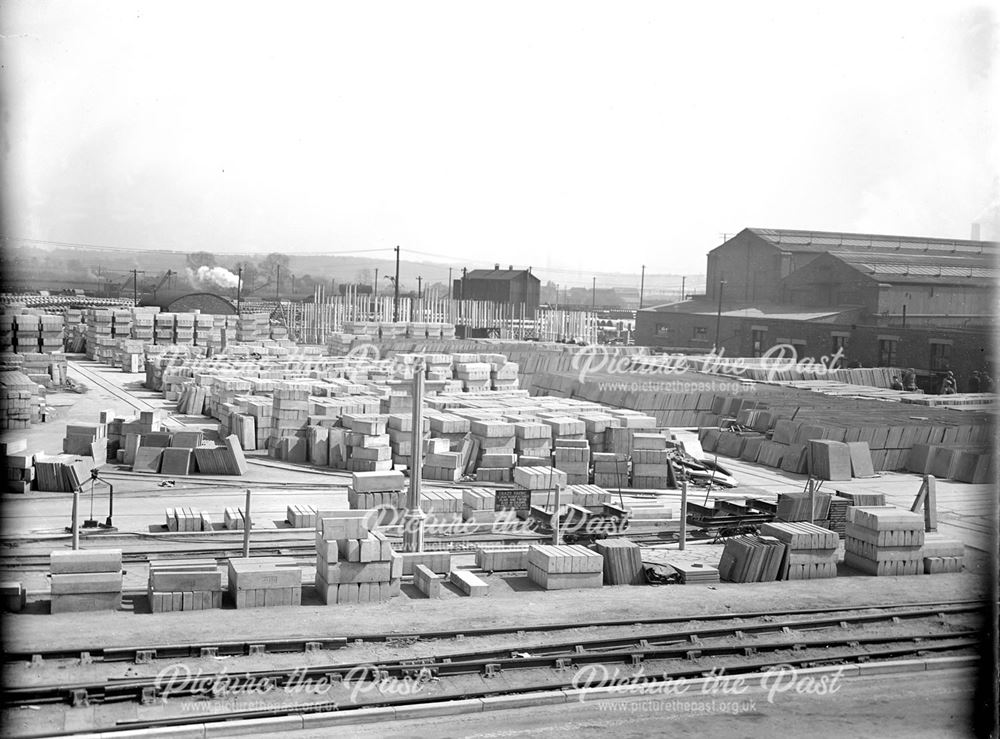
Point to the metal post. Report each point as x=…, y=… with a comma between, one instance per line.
x=642, y=286
x=413, y=520
x=239, y=291
x=395, y=294
x=684, y=514
x=718, y=318
x=277, y=283
x=135, y=287
x=555, y=518
x=812, y=500
x=593, y=295
x=75, y=523
x=246, y=526
x=420, y=281
x=683, y=283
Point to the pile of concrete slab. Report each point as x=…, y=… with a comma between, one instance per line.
x=565, y=567
x=184, y=585
x=884, y=541
x=264, y=582
x=86, y=580
x=381, y=492
x=354, y=564
x=810, y=550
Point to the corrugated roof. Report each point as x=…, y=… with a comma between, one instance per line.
x=936, y=267
x=825, y=241
x=496, y=274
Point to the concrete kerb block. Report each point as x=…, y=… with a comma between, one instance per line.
x=192, y=731
x=346, y=718
x=546, y=698
x=892, y=667
x=951, y=663
x=445, y=708
x=246, y=727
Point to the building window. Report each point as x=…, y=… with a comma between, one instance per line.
x=662, y=330
x=757, y=341
x=940, y=356
x=886, y=352
x=838, y=344
x=700, y=333
x=800, y=348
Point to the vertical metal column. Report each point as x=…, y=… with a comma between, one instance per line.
x=246, y=526
x=413, y=521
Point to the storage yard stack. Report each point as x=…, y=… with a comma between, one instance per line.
x=380, y=492
x=533, y=439
x=289, y=418
x=596, y=424
x=622, y=562
x=440, y=463
x=475, y=375
x=541, y=481
x=184, y=585
x=751, y=559
x=163, y=325
x=884, y=541
x=650, y=462
x=941, y=554
x=20, y=405
x=572, y=456
x=100, y=340
x=478, y=505
x=265, y=582
x=86, y=580
x=27, y=332
x=368, y=447
x=503, y=375
x=52, y=333
x=492, y=436
x=810, y=550
x=143, y=326
x=611, y=470
x=353, y=563
x=564, y=567
x=6, y=332
x=400, y=429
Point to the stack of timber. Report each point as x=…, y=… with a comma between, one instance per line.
x=884, y=541
x=751, y=559
x=264, y=582
x=184, y=585
x=353, y=563
x=810, y=550
x=622, y=562
x=564, y=567
x=86, y=580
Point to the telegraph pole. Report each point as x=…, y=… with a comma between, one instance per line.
x=413, y=520
x=277, y=284
x=642, y=286
x=451, y=289
x=135, y=287
x=395, y=294
x=239, y=291
x=683, y=282
x=718, y=317
x=461, y=289
x=593, y=295
x=419, y=282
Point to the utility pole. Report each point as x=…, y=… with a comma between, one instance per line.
x=718, y=317
x=642, y=286
x=593, y=295
x=683, y=282
x=135, y=287
x=413, y=520
x=277, y=284
x=395, y=294
x=239, y=291
x=375, y=289
x=461, y=289
x=419, y=282
x=451, y=289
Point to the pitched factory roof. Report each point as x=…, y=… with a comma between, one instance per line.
x=827, y=241
x=497, y=274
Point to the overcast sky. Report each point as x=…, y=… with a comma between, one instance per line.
x=590, y=135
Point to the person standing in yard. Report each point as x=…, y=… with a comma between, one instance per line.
x=948, y=384
x=897, y=384
x=910, y=380
x=974, y=382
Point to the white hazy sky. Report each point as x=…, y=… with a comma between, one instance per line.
x=590, y=135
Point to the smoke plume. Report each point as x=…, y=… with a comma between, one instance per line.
x=212, y=277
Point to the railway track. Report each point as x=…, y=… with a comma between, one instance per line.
x=816, y=618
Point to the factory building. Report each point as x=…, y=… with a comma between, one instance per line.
x=516, y=287
x=881, y=300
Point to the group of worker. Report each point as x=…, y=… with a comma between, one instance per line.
x=979, y=382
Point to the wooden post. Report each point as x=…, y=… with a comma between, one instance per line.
x=811, y=487
x=413, y=521
x=246, y=526
x=927, y=497
x=555, y=518
x=75, y=523
x=684, y=510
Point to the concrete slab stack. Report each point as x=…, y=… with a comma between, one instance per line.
x=354, y=564
x=259, y=582
x=184, y=585
x=478, y=505
x=650, y=461
x=884, y=541
x=751, y=559
x=941, y=554
x=86, y=580
x=289, y=419
x=564, y=567
x=622, y=562
x=368, y=448
x=810, y=550
x=475, y=376
x=574, y=461
x=381, y=491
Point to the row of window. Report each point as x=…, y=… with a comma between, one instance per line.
x=940, y=351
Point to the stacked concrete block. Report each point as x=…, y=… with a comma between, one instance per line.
x=439, y=562
x=622, y=562
x=451, y=427
x=566, y=428
x=184, y=328
x=502, y=559
x=532, y=439
x=13, y=596
x=475, y=376
x=184, y=585
x=6, y=332
x=188, y=519
x=829, y=460
x=587, y=496
x=503, y=376
x=264, y=582
x=52, y=331
x=86, y=580
x=810, y=550
x=289, y=421
x=100, y=343
x=353, y=563
x=443, y=505
x=400, y=430
x=19, y=401
x=427, y=582
x=163, y=328
x=301, y=516
x=478, y=505
x=19, y=464
x=367, y=442
x=448, y=466
x=383, y=492
x=650, y=462
x=611, y=469
x=493, y=436
x=143, y=323
x=596, y=424
x=575, y=462
x=233, y=519
x=539, y=478
x=884, y=541
x=468, y=583
x=79, y=437
x=564, y=567
x=941, y=554
x=27, y=331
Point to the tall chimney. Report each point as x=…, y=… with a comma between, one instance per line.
x=496, y=266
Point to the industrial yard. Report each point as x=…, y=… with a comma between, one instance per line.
x=454, y=369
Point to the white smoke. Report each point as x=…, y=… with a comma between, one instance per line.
x=212, y=276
